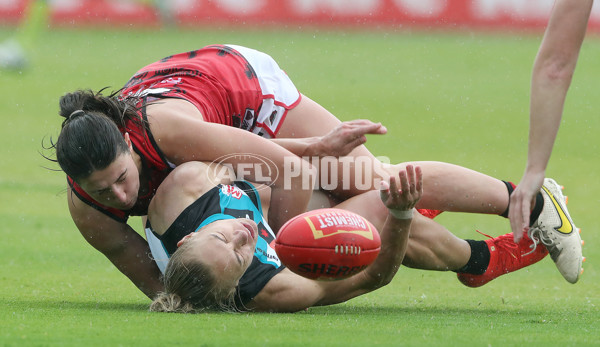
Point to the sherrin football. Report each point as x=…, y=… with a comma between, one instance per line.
x=327, y=244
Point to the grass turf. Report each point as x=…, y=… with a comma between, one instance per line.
x=456, y=97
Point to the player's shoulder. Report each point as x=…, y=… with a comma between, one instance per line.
x=191, y=174
x=171, y=106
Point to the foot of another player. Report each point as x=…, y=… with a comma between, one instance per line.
x=557, y=232
x=505, y=256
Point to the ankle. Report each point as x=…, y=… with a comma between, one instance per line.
x=479, y=259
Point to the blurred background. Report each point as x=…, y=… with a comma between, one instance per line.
x=293, y=14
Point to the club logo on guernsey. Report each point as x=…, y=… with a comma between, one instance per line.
x=232, y=191
x=329, y=224
x=565, y=224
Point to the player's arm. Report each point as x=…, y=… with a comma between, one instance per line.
x=552, y=73
x=290, y=292
x=122, y=245
x=183, y=137
x=338, y=142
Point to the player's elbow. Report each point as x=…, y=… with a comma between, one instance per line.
x=377, y=279
x=558, y=68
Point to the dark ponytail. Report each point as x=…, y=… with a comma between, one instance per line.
x=118, y=110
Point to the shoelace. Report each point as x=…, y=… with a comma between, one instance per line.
x=536, y=235
x=509, y=246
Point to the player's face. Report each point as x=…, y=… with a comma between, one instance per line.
x=115, y=186
x=226, y=246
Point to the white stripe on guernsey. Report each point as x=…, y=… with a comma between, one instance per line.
x=272, y=80
x=159, y=253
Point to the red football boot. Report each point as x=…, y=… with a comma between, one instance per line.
x=505, y=256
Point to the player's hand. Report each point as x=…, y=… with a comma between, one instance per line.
x=521, y=203
x=347, y=136
x=403, y=192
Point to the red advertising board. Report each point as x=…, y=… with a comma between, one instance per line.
x=519, y=14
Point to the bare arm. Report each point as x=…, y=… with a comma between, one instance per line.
x=288, y=292
x=122, y=245
x=183, y=136
x=338, y=142
x=552, y=73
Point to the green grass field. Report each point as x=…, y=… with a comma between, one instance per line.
x=456, y=97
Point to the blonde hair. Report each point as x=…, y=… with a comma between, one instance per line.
x=191, y=287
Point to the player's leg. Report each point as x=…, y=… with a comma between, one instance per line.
x=433, y=247
x=447, y=187
x=430, y=246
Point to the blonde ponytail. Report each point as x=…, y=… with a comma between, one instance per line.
x=169, y=302
x=191, y=287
